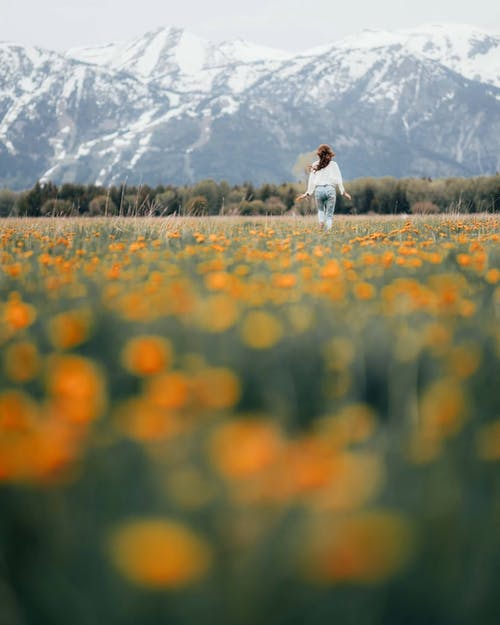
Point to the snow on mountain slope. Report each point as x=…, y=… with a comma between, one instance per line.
x=178, y=59
x=51, y=105
x=181, y=61
x=172, y=106
x=467, y=50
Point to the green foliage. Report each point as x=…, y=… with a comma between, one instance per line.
x=102, y=205
x=379, y=196
x=424, y=208
x=253, y=207
x=197, y=206
x=7, y=202
x=58, y=208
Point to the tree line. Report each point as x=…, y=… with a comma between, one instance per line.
x=385, y=195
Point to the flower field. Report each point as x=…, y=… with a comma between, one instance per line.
x=224, y=421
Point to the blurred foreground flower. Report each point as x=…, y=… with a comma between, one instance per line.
x=21, y=361
x=157, y=553
x=261, y=330
x=69, y=329
x=147, y=355
x=17, y=314
x=76, y=389
x=367, y=548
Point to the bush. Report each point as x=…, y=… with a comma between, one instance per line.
x=7, y=202
x=167, y=202
x=255, y=207
x=274, y=206
x=58, y=208
x=197, y=206
x=424, y=208
x=102, y=205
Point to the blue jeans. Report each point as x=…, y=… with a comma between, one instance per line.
x=325, y=201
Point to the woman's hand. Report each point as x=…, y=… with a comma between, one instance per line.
x=301, y=197
x=347, y=195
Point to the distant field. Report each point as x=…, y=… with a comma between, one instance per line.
x=230, y=421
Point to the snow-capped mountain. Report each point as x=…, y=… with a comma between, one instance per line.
x=179, y=59
x=469, y=51
x=170, y=107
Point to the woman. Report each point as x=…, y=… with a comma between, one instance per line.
x=325, y=175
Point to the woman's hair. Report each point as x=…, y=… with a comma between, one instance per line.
x=325, y=154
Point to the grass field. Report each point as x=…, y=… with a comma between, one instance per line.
x=250, y=421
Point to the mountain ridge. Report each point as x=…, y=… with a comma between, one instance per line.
x=171, y=107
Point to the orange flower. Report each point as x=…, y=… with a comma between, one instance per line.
x=142, y=420
x=169, y=391
x=18, y=412
x=76, y=388
x=31, y=448
x=21, y=361
x=355, y=480
x=308, y=465
x=284, y=280
x=69, y=329
x=493, y=276
x=17, y=314
x=217, y=388
x=147, y=355
x=55, y=446
x=464, y=360
x=464, y=260
x=331, y=270
x=365, y=548
x=243, y=448
x=364, y=290
x=218, y=280
x=159, y=553
x=355, y=423
x=442, y=408
x=217, y=313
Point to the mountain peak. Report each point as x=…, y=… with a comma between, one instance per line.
x=170, y=105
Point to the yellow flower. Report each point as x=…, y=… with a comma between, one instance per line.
x=442, y=408
x=261, y=330
x=217, y=388
x=488, y=441
x=464, y=360
x=217, y=313
x=159, y=553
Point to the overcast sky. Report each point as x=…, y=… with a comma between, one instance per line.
x=292, y=25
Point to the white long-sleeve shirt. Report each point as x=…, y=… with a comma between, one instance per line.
x=328, y=175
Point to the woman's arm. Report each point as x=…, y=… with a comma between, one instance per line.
x=341, y=184
x=310, y=186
